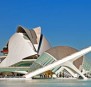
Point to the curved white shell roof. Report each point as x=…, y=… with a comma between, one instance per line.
x=23, y=44
x=19, y=48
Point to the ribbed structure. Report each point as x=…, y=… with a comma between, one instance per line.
x=43, y=60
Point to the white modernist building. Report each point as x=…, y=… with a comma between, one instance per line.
x=24, y=47
x=66, y=61
x=28, y=52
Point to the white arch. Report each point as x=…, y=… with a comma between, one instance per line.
x=62, y=68
x=70, y=65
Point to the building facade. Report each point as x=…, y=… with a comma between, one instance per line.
x=28, y=50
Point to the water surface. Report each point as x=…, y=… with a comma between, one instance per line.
x=46, y=83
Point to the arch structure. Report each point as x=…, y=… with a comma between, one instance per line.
x=56, y=63
x=24, y=47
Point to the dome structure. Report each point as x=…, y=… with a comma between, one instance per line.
x=60, y=52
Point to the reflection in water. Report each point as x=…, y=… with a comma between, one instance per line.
x=45, y=83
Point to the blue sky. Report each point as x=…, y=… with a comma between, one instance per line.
x=63, y=22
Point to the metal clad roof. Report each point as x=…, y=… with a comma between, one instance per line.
x=60, y=52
